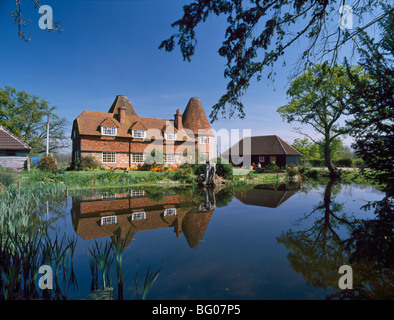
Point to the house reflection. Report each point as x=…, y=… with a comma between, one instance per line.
x=125, y=214
x=264, y=196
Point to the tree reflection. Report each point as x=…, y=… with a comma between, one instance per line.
x=334, y=239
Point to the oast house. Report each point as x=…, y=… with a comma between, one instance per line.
x=120, y=138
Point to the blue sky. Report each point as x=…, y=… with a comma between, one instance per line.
x=110, y=48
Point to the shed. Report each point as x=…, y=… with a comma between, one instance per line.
x=264, y=150
x=14, y=153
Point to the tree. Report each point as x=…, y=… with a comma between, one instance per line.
x=259, y=32
x=26, y=117
x=318, y=98
x=309, y=150
x=372, y=104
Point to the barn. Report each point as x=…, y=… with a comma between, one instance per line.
x=263, y=150
x=14, y=153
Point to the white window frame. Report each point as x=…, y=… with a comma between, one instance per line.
x=139, y=134
x=133, y=160
x=261, y=158
x=170, y=212
x=204, y=140
x=138, y=216
x=109, y=152
x=108, y=220
x=107, y=197
x=137, y=193
x=166, y=160
x=109, y=131
x=171, y=136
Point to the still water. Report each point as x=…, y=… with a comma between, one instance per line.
x=256, y=243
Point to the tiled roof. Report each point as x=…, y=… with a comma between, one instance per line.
x=10, y=142
x=122, y=101
x=265, y=145
x=194, y=117
x=89, y=122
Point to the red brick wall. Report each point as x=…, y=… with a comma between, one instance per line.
x=94, y=146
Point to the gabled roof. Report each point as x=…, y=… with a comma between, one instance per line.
x=8, y=141
x=109, y=122
x=264, y=145
x=137, y=126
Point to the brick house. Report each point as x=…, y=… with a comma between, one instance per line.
x=121, y=138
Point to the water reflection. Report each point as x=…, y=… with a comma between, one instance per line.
x=336, y=238
x=125, y=214
x=267, y=196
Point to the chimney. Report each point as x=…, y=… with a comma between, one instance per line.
x=122, y=114
x=178, y=120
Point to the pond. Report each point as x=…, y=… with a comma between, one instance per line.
x=255, y=242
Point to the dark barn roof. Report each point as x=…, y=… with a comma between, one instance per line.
x=265, y=197
x=265, y=145
x=8, y=141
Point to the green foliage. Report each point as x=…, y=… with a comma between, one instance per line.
x=346, y=163
x=308, y=149
x=258, y=34
x=224, y=170
x=47, y=164
x=7, y=177
x=371, y=102
x=319, y=98
x=26, y=116
x=88, y=162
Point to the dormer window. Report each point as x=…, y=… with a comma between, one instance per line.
x=109, y=131
x=139, y=134
x=170, y=136
x=204, y=140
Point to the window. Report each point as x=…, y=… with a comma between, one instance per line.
x=170, y=136
x=137, y=157
x=170, y=212
x=261, y=158
x=204, y=140
x=106, y=196
x=137, y=193
x=169, y=158
x=109, y=157
x=108, y=220
x=139, y=134
x=109, y=131
x=141, y=215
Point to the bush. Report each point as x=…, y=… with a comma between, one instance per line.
x=88, y=162
x=59, y=171
x=47, y=164
x=291, y=171
x=317, y=163
x=345, y=162
x=312, y=173
x=358, y=163
x=224, y=170
x=7, y=177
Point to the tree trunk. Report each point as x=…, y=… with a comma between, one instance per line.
x=334, y=172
